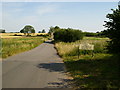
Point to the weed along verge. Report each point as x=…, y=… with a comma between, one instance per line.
x=13, y=46
x=100, y=70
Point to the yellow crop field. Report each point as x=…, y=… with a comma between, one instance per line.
x=16, y=35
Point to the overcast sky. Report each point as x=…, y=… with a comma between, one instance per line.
x=86, y=16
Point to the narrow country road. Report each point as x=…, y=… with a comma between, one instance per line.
x=40, y=67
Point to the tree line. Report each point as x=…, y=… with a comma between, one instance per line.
x=112, y=32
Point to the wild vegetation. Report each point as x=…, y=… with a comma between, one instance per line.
x=113, y=30
x=13, y=46
x=98, y=68
x=26, y=39
x=99, y=45
x=68, y=35
x=98, y=71
x=93, y=34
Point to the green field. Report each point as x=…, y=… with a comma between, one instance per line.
x=98, y=71
x=95, y=38
x=13, y=46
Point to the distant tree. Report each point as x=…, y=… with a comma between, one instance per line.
x=97, y=32
x=90, y=34
x=56, y=28
x=43, y=31
x=101, y=34
x=113, y=30
x=27, y=30
x=53, y=29
x=2, y=31
x=39, y=32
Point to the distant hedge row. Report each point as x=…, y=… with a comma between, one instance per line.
x=68, y=35
x=97, y=34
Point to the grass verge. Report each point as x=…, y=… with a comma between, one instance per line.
x=13, y=46
x=99, y=71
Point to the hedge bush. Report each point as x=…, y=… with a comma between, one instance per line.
x=68, y=35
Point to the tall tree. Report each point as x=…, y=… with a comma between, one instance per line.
x=113, y=30
x=28, y=29
x=53, y=29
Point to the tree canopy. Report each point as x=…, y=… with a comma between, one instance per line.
x=28, y=29
x=53, y=29
x=113, y=30
x=43, y=31
x=67, y=35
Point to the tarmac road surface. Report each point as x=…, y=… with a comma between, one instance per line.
x=40, y=67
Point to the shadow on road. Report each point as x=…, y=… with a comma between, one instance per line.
x=52, y=67
x=64, y=83
x=57, y=67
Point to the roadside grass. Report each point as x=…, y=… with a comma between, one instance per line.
x=94, y=72
x=71, y=49
x=95, y=38
x=13, y=46
x=98, y=71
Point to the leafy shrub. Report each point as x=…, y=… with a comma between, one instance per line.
x=68, y=35
x=113, y=31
